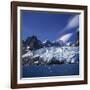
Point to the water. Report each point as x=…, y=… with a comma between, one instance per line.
x=50, y=70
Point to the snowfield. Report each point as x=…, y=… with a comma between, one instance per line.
x=66, y=54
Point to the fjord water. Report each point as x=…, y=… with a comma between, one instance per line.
x=50, y=70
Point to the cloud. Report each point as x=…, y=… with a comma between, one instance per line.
x=73, y=22
x=66, y=37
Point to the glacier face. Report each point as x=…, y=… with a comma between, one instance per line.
x=65, y=54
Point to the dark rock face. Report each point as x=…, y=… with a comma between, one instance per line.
x=54, y=61
x=76, y=43
x=33, y=43
x=23, y=47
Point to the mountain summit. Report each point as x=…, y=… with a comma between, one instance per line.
x=33, y=43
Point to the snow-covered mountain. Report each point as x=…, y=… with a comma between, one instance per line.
x=65, y=37
x=32, y=43
x=56, y=52
x=70, y=38
x=47, y=43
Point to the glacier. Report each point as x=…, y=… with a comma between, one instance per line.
x=65, y=54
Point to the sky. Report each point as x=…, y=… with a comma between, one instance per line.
x=48, y=25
